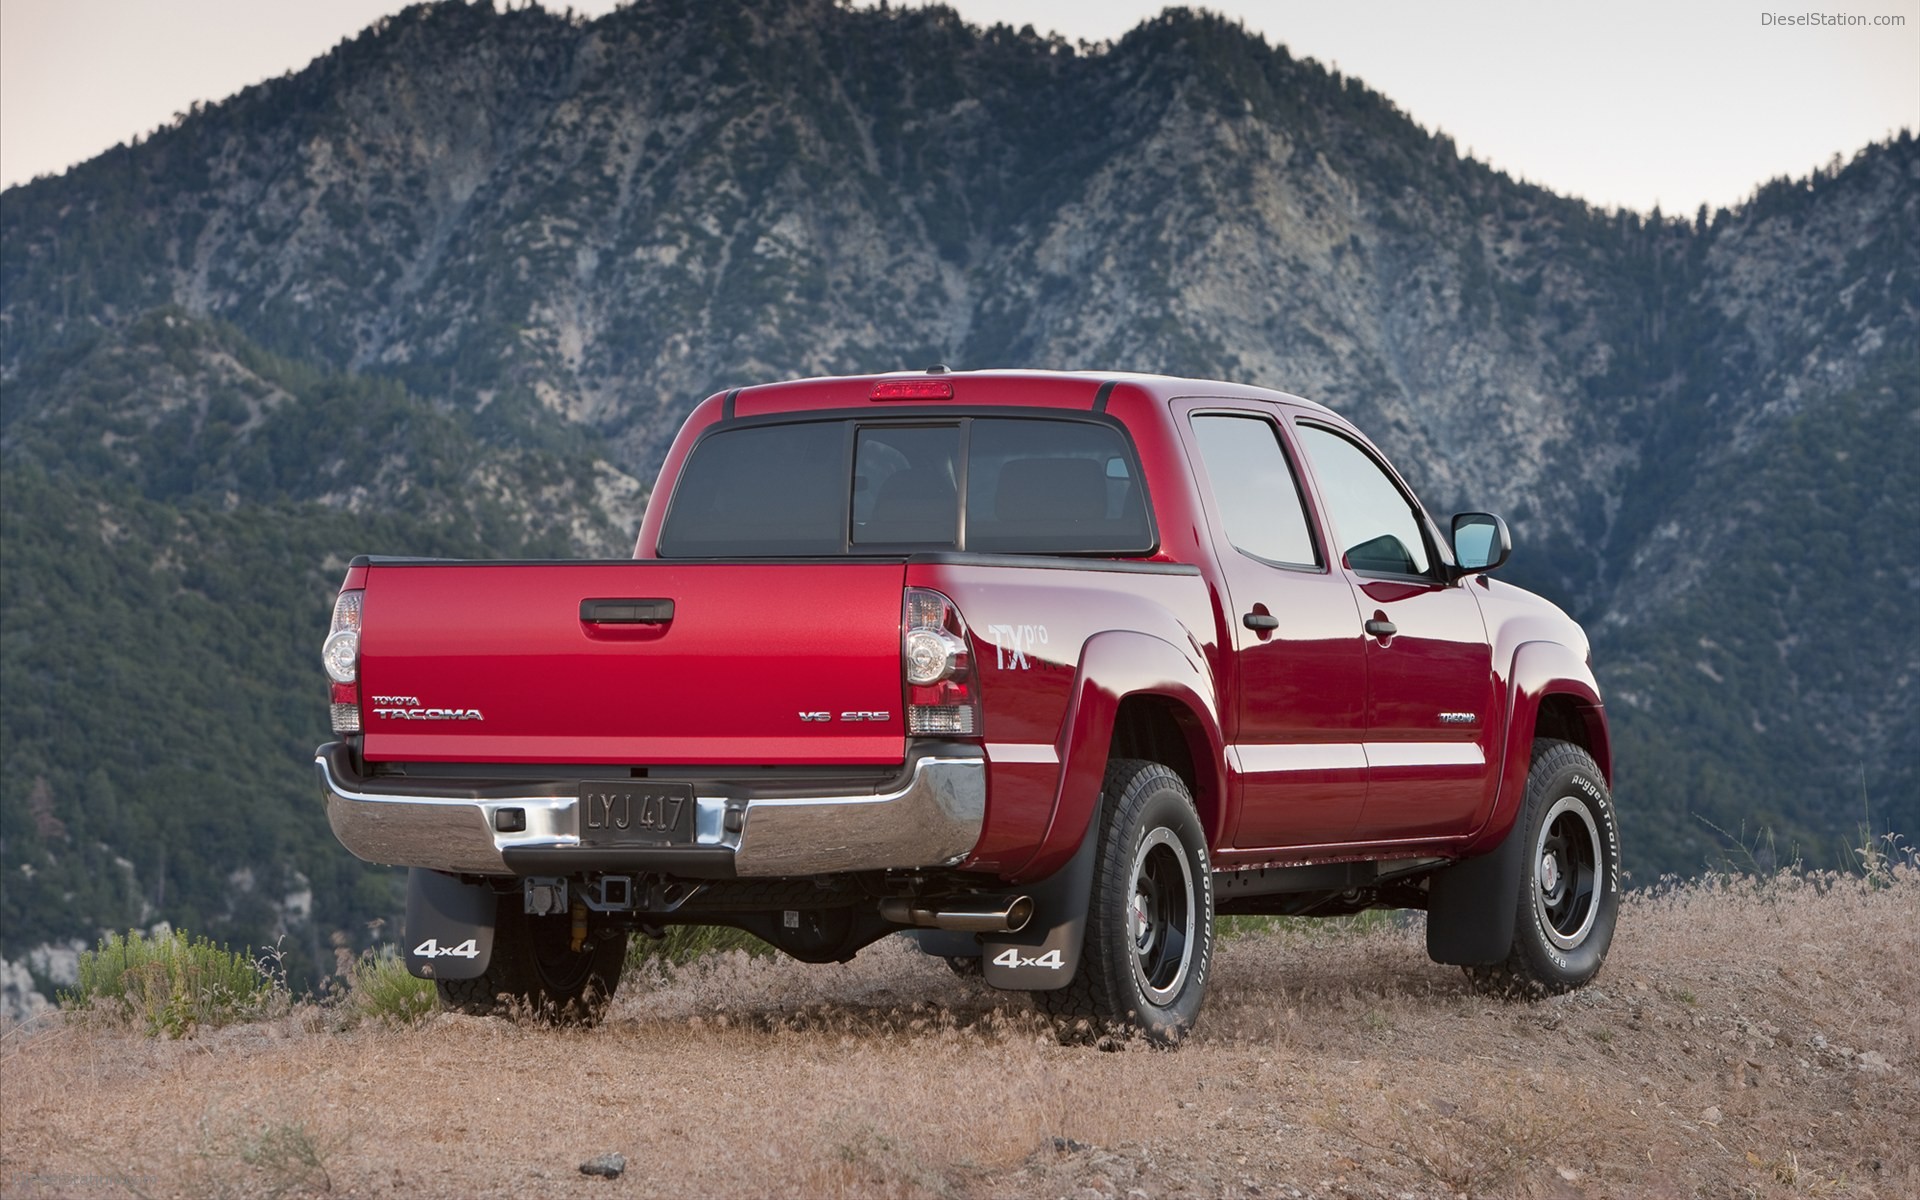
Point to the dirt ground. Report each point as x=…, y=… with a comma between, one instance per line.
x=1744, y=1040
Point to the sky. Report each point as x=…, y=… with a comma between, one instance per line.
x=1630, y=103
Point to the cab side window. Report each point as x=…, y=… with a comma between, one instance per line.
x=1254, y=489
x=1374, y=523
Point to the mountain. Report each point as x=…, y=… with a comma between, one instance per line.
x=178, y=508
x=451, y=287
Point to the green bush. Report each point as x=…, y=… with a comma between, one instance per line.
x=171, y=984
x=681, y=944
x=380, y=987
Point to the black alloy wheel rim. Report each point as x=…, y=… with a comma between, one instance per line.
x=1566, y=872
x=1161, y=916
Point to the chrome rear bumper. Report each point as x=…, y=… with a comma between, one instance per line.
x=931, y=820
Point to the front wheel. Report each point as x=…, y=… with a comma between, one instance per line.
x=1569, y=899
x=536, y=968
x=1149, y=940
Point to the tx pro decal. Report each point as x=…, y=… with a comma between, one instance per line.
x=1013, y=643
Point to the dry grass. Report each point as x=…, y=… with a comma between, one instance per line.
x=1745, y=1040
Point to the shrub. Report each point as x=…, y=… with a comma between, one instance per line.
x=380, y=987
x=681, y=944
x=1879, y=860
x=286, y=1159
x=170, y=983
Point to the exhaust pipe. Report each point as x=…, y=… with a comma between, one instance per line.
x=966, y=916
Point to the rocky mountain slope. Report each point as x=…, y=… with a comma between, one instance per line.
x=451, y=287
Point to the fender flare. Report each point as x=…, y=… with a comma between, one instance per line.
x=1114, y=665
x=1540, y=669
x=1470, y=905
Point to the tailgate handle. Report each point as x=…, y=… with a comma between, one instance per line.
x=626, y=612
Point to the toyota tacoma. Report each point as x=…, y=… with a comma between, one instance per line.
x=1048, y=670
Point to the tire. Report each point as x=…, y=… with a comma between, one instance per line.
x=1149, y=939
x=1569, y=900
x=534, y=968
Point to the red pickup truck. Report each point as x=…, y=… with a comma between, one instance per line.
x=1048, y=668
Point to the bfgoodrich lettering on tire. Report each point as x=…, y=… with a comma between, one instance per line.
x=1150, y=917
x=1569, y=895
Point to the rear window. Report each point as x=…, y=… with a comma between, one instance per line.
x=1009, y=485
x=775, y=489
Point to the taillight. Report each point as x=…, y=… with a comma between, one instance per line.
x=341, y=656
x=943, y=696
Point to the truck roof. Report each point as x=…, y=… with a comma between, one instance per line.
x=1024, y=388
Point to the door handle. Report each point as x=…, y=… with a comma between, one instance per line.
x=1260, y=621
x=1381, y=629
x=626, y=612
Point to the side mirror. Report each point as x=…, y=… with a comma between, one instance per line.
x=1480, y=541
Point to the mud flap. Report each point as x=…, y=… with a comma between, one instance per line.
x=1045, y=955
x=1472, y=905
x=449, y=930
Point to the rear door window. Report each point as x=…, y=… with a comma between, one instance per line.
x=1254, y=489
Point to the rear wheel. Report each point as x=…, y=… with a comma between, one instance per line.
x=1149, y=940
x=536, y=968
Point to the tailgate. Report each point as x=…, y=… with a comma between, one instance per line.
x=509, y=662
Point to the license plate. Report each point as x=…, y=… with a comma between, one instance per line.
x=636, y=812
